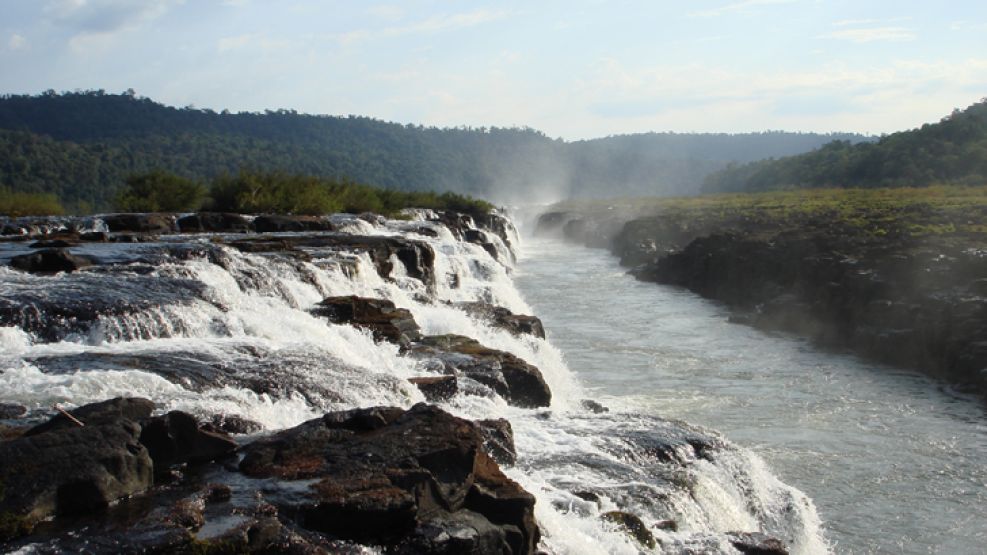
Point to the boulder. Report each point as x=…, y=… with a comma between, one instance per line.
x=436, y=388
x=498, y=440
x=519, y=383
x=417, y=480
x=232, y=424
x=70, y=471
x=12, y=410
x=176, y=438
x=213, y=221
x=380, y=316
x=756, y=543
x=140, y=223
x=278, y=224
x=134, y=409
x=50, y=261
x=501, y=317
x=633, y=525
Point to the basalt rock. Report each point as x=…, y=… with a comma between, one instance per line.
x=134, y=409
x=50, y=261
x=755, y=543
x=176, y=438
x=518, y=382
x=70, y=471
x=380, y=316
x=140, y=223
x=498, y=440
x=418, y=481
x=503, y=318
x=214, y=222
x=416, y=257
x=278, y=224
x=436, y=388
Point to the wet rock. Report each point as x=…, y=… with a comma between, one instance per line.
x=134, y=409
x=668, y=525
x=70, y=472
x=278, y=224
x=552, y=222
x=62, y=242
x=518, y=382
x=94, y=236
x=588, y=496
x=50, y=261
x=436, y=388
x=214, y=222
x=176, y=438
x=140, y=223
x=478, y=237
x=218, y=493
x=755, y=543
x=380, y=316
x=498, y=440
x=593, y=406
x=633, y=525
x=233, y=424
x=391, y=477
x=503, y=318
x=11, y=410
x=463, y=532
x=417, y=257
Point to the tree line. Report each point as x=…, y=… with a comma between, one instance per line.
x=951, y=151
x=82, y=146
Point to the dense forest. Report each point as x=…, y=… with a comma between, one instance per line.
x=82, y=146
x=952, y=151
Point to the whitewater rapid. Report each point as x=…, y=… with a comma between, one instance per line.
x=202, y=327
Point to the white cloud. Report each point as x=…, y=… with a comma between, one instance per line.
x=17, y=42
x=872, y=34
x=94, y=24
x=738, y=7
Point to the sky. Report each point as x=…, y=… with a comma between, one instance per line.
x=572, y=69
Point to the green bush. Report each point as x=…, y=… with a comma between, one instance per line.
x=159, y=191
x=29, y=204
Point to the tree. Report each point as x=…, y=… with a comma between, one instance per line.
x=160, y=191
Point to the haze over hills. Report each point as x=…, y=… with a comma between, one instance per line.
x=954, y=150
x=82, y=145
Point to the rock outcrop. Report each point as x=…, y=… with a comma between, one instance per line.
x=503, y=318
x=380, y=316
x=50, y=261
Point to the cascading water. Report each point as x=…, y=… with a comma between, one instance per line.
x=202, y=327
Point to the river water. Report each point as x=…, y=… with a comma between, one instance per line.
x=894, y=461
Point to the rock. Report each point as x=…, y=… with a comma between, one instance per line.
x=436, y=388
x=593, y=406
x=518, y=382
x=552, y=222
x=55, y=243
x=498, y=440
x=50, y=261
x=478, y=237
x=133, y=409
x=70, y=471
x=386, y=476
x=176, y=438
x=218, y=493
x=380, y=316
x=668, y=525
x=233, y=424
x=588, y=496
x=503, y=318
x=11, y=410
x=140, y=223
x=278, y=224
x=94, y=236
x=633, y=526
x=756, y=543
x=213, y=221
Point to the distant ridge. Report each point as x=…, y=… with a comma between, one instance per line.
x=952, y=151
x=82, y=145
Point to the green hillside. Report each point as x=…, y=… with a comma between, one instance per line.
x=952, y=151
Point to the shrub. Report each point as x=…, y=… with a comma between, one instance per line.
x=29, y=204
x=159, y=191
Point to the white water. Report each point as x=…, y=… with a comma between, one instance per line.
x=894, y=461
x=251, y=320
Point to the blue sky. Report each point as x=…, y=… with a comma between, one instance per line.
x=571, y=69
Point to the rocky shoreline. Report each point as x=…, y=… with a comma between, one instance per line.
x=913, y=300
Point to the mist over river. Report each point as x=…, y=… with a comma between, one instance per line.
x=893, y=461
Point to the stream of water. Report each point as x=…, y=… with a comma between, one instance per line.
x=895, y=462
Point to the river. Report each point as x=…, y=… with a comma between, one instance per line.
x=895, y=462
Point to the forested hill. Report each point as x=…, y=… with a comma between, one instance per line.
x=952, y=151
x=82, y=145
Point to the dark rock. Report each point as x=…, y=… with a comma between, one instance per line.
x=140, y=223
x=755, y=543
x=393, y=477
x=187, y=513
x=54, y=244
x=518, y=382
x=277, y=224
x=436, y=388
x=11, y=410
x=669, y=525
x=70, y=471
x=94, y=236
x=463, y=532
x=218, y=493
x=233, y=424
x=417, y=257
x=633, y=526
x=380, y=316
x=593, y=406
x=50, y=261
x=552, y=222
x=478, y=237
x=176, y=438
x=588, y=496
x=503, y=318
x=134, y=409
x=213, y=221
x=498, y=440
